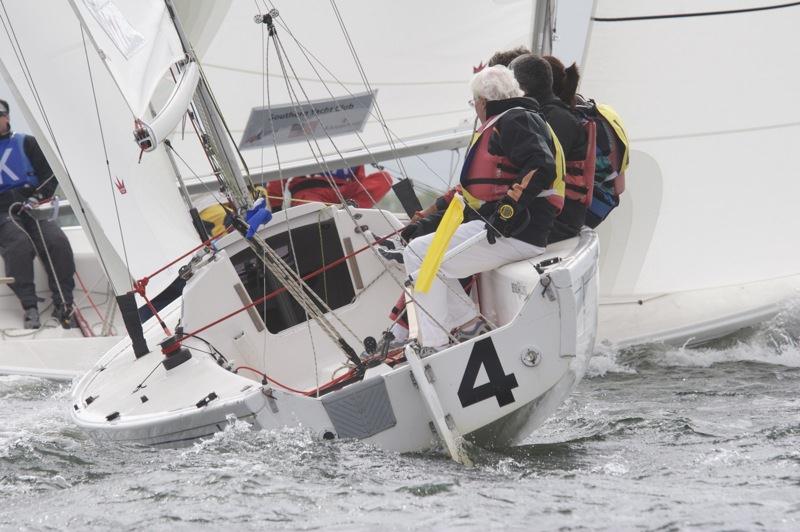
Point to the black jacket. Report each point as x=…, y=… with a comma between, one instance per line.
x=522, y=136
x=573, y=140
x=47, y=186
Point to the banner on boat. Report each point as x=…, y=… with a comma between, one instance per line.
x=296, y=123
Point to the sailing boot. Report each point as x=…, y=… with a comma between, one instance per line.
x=65, y=315
x=31, y=318
x=470, y=330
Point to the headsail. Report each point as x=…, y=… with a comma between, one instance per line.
x=712, y=184
x=133, y=211
x=137, y=41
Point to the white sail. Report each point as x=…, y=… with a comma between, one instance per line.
x=418, y=57
x=137, y=41
x=132, y=209
x=707, y=101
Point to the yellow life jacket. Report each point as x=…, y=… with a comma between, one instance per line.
x=615, y=120
x=214, y=216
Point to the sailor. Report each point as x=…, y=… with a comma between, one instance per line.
x=25, y=180
x=536, y=78
x=504, y=57
x=511, y=182
x=565, y=80
x=354, y=184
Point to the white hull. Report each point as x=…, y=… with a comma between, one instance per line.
x=693, y=317
x=556, y=326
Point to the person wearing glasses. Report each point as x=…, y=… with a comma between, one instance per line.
x=514, y=193
x=25, y=180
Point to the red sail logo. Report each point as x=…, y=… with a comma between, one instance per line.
x=120, y=186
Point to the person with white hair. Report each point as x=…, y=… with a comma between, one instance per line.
x=513, y=184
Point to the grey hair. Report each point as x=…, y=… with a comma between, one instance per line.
x=495, y=83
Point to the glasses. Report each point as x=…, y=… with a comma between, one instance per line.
x=3, y=113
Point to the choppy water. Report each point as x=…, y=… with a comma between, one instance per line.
x=655, y=438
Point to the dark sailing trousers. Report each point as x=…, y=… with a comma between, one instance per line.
x=18, y=254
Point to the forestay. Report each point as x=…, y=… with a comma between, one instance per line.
x=133, y=210
x=712, y=186
x=418, y=56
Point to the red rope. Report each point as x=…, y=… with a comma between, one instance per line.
x=309, y=393
x=282, y=289
x=89, y=297
x=201, y=246
x=140, y=286
x=83, y=325
x=270, y=379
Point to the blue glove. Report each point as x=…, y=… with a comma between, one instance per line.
x=256, y=217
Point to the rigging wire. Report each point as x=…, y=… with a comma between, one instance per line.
x=264, y=101
x=266, y=92
x=105, y=149
x=462, y=295
x=308, y=53
x=327, y=174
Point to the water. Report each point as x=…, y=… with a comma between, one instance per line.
x=655, y=438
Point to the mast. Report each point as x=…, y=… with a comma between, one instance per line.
x=543, y=27
x=222, y=156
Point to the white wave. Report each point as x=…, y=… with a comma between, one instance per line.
x=604, y=361
x=742, y=352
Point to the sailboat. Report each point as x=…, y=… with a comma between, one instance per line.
x=701, y=244
x=268, y=329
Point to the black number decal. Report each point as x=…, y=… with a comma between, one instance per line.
x=499, y=385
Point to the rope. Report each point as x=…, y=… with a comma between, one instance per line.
x=89, y=297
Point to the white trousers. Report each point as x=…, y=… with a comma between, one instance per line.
x=446, y=305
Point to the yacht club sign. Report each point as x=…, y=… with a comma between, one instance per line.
x=296, y=123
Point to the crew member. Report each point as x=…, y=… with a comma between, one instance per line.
x=25, y=180
x=511, y=181
x=535, y=77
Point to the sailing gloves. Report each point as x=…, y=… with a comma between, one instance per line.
x=410, y=231
x=509, y=219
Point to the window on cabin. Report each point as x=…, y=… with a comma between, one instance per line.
x=316, y=245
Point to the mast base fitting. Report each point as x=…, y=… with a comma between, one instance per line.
x=174, y=354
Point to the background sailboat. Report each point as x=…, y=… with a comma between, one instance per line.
x=703, y=242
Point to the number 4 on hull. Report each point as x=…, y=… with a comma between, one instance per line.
x=499, y=385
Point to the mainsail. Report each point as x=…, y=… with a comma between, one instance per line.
x=706, y=92
x=132, y=209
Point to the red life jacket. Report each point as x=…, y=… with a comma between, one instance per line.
x=579, y=178
x=296, y=184
x=488, y=177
